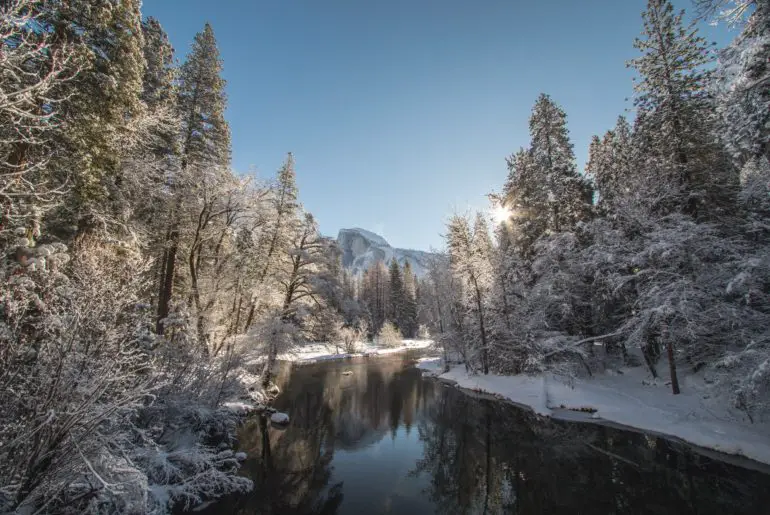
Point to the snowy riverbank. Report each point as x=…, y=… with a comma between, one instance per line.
x=629, y=398
x=315, y=352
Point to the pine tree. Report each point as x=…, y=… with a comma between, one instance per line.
x=152, y=165
x=104, y=105
x=375, y=293
x=202, y=101
x=610, y=164
x=544, y=191
x=409, y=315
x=396, y=302
x=675, y=116
x=741, y=85
x=528, y=202
x=159, y=94
x=568, y=195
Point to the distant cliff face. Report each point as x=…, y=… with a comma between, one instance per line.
x=361, y=249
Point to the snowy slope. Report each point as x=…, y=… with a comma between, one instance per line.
x=362, y=248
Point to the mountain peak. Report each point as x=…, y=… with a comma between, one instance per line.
x=362, y=249
x=369, y=235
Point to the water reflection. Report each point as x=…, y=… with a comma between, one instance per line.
x=331, y=413
x=382, y=440
x=485, y=457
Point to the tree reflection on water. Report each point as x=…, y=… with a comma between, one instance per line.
x=464, y=454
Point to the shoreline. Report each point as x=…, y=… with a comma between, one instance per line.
x=623, y=405
x=318, y=353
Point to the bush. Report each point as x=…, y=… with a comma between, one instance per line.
x=389, y=335
x=350, y=340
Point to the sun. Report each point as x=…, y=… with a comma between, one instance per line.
x=501, y=213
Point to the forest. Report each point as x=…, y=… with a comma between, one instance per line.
x=660, y=246
x=146, y=284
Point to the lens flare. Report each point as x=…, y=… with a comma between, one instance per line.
x=501, y=214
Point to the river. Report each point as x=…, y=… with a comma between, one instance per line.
x=384, y=440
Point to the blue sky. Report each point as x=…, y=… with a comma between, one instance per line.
x=401, y=112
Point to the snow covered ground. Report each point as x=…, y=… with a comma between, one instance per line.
x=312, y=353
x=629, y=398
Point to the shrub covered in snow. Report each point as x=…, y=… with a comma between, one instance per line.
x=389, y=335
x=351, y=339
x=98, y=413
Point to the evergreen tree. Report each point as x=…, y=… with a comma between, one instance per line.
x=409, y=315
x=567, y=194
x=375, y=293
x=675, y=116
x=544, y=191
x=525, y=197
x=396, y=302
x=202, y=101
x=101, y=116
x=741, y=85
x=159, y=93
x=152, y=165
x=610, y=164
x=35, y=73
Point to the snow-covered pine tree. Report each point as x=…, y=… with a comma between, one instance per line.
x=161, y=134
x=103, y=109
x=610, y=164
x=741, y=86
x=568, y=195
x=397, y=301
x=152, y=166
x=527, y=200
x=375, y=294
x=409, y=314
x=202, y=101
x=544, y=191
x=685, y=170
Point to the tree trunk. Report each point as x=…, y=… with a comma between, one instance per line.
x=167, y=286
x=648, y=360
x=200, y=324
x=250, y=316
x=488, y=452
x=671, y=362
x=506, y=308
x=482, y=330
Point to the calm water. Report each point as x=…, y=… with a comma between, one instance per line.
x=384, y=440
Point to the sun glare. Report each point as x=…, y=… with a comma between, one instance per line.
x=500, y=214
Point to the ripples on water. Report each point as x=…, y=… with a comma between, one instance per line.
x=384, y=440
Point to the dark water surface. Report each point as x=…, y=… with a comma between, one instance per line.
x=384, y=440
